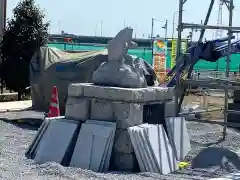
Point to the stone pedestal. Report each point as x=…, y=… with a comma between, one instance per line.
x=124, y=106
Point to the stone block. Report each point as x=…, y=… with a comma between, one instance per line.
x=124, y=162
x=101, y=110
x=122, y=142
x=149, y=94
x=75, y=90
x=170, y=109
x=128, y=114
x=178, y=136
x=77, y=108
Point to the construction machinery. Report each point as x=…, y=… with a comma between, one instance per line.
x=210, y=51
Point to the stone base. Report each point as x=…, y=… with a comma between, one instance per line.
x=124, y=162
x=125, y=106
x=122, y=142
x=137, y=95
x=170, y=109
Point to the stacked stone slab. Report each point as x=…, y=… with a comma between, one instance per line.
x=113, y=104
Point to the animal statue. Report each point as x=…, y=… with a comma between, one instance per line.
x=121, y=70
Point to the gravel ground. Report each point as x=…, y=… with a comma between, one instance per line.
x=15, y=140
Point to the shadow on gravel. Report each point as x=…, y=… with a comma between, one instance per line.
x=30, y=124
x=199, y=173
x=218, y=141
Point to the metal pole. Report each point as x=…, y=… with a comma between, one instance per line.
x=206, y=19
x=181, y=2
x=95, y=31
x=101, y=28
x=152, y=28
x=166, y=29
x=228, y=67
x=3, y=12
x=173, y=24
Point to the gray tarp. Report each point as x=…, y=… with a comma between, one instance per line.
x=53, y=67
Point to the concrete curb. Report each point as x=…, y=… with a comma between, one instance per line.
x=15, y=110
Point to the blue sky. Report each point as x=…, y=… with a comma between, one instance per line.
x=84, y=17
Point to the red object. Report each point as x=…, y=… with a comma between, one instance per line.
x=54, y=110
x=69, y=40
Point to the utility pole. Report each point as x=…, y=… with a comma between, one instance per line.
x=166, y=28
x=59, y=26
x=3, y=13
x=95, y=31
x=219, y=32
x=101, y=28
x=152, y=28
x=3, y=9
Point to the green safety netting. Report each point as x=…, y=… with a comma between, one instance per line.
x=146, y=54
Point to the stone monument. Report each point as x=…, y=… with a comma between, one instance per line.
x=118, y=94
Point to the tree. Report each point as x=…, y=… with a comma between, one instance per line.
x=25, y=32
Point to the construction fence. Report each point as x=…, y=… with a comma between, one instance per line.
x=146, y=54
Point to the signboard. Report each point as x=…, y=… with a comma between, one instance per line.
x=173, y=53
x=184, y=46
x=174, y=50
x=160, y=58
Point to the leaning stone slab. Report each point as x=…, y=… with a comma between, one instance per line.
x=53, y=145
x=92, y=147
x=31, y=152
x=161, y=149
x=141, y=95
x=137, y=147
x=178, y=136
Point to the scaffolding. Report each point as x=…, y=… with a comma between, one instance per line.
x=223, y=84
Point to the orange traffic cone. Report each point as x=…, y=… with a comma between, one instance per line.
x=54, y=110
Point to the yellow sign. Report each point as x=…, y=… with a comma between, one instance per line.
x=184, y=46
x=183, y=76
x=174, y=52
